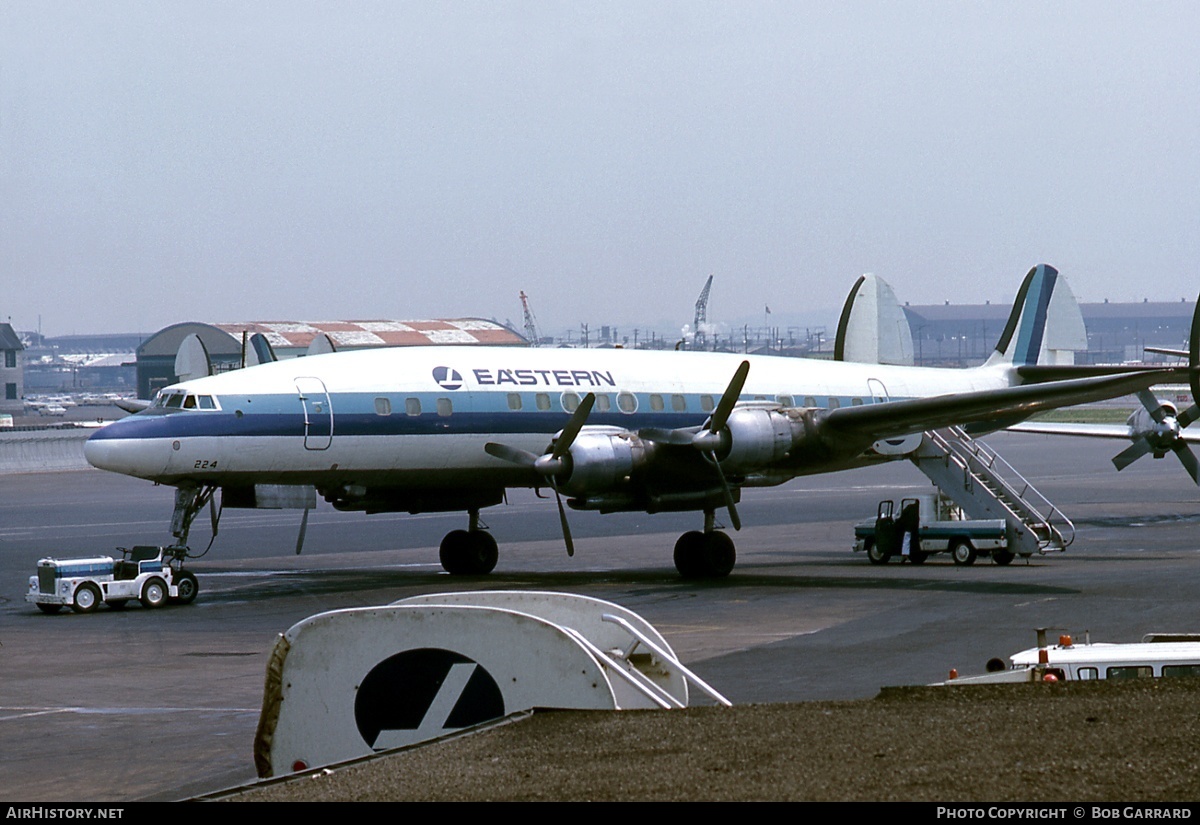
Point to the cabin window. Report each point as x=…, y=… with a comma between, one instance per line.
x=1087, y=674
x=678, y=403
x=706, y=403
x=543, y=401
x=514, y=400
x=570, y=401
x=855, y=402
x=383, y=406
x=809, y=401
x=1181, y=670
x=627, y=402
x=603, y=403
x=834, y=403
x=1130, y=672
x=656, y=403
x=786, y=401
x=760, y=398
x=444, y=407
x=412, y=406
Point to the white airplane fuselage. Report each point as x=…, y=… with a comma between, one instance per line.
x=419, y=417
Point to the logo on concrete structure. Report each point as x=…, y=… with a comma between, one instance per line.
x=447, y=379
x=422, y=693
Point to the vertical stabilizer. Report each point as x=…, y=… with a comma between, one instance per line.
x=191, y=360
x=1045, y=326
x=873, y=328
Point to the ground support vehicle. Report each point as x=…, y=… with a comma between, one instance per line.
x=152, y=575
x=939, y=527
x=1157, y=655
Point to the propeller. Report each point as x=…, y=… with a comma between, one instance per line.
x=1167, y=432
x=709, y=438
x=554, y=463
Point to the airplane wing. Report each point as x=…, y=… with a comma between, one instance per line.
x=988, y=406
x=1118, y=431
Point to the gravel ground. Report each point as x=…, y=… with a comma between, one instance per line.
x=1070, y=742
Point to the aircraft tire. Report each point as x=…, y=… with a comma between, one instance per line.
x=464, y=553
x=688, y=554
x=187, y=586
x=87, y=598
x=874, y=554
x=719, y=555
x=1002, y=557
x=154, y=593
x=963, y=552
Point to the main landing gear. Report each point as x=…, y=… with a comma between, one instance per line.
x=470, y=552
x=707, y=555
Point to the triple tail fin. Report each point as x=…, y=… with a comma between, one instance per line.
x=1045, y=326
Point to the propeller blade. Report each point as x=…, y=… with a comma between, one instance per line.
x=1188, y=459
x=1188, y=416
x=729, y=399
x=571, y=431
x=681, y=437
x=1155, y=407
x=729, y=503
x=1132, y=453
x=303, y=531
x=562, y=517
x=1194, y=355
x=511, y=454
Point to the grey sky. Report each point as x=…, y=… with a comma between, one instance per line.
x=165, y=161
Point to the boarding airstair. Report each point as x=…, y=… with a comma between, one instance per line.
x=986, y=486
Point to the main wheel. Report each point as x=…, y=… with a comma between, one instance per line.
x=689, y=550
x=1002, y=557
x=718, y=555
x=963, y=552
x=188, y=587
x=87, y=598
x=875, y=554
x=465, y=553
x=154, y=593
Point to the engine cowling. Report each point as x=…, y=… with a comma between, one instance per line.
x=602, y=462
x=758, y=438
x=1161, y=435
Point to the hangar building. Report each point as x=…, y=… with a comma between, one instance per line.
x=226, y=343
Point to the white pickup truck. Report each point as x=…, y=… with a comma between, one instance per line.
x=940, y=527
x=152, y=575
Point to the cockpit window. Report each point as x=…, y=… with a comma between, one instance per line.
x=169, y=402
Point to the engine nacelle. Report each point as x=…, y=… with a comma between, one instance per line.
x=759, y=438
x=1161, y=436
x=603, y=461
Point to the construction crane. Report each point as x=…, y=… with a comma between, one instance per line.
x=700, y=339
x=531, y=329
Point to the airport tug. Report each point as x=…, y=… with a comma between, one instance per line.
x=152, y=575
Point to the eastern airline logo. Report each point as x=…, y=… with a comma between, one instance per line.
x=422, y=693
x=447, y=378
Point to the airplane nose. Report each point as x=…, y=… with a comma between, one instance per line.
x=119, y=449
